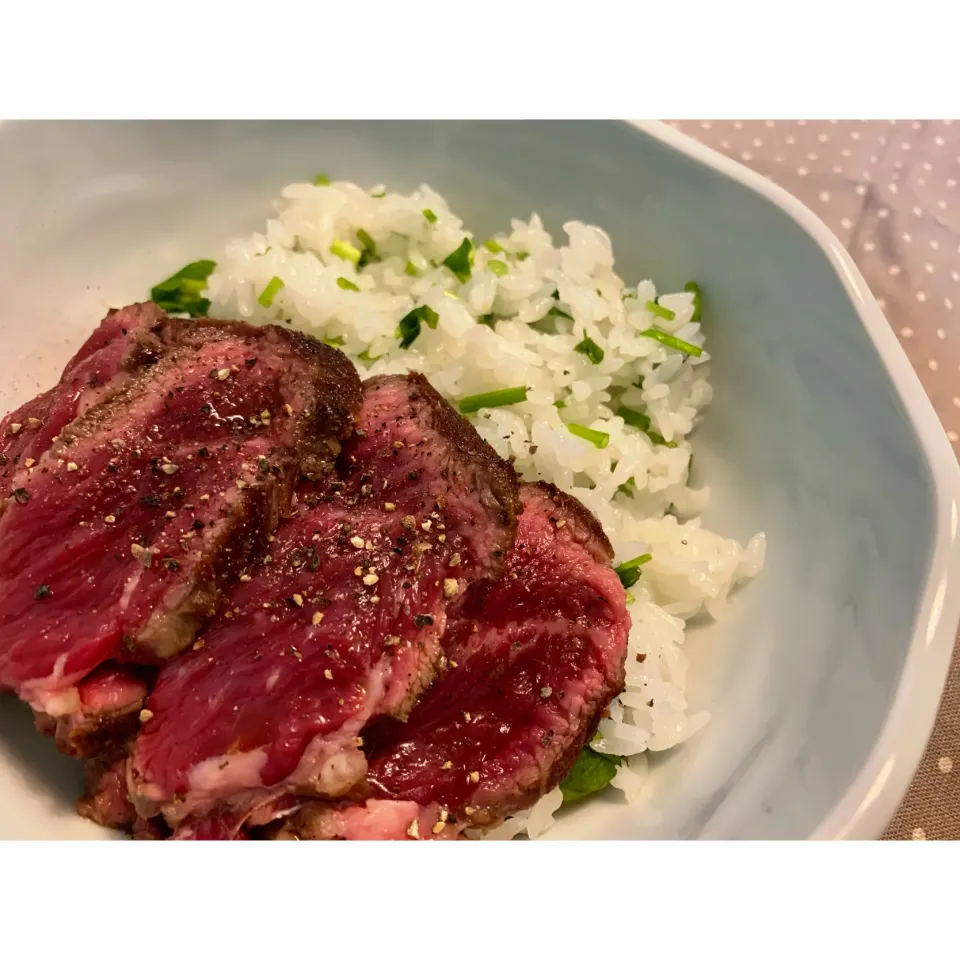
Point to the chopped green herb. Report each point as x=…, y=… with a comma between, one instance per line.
x=635, y=419
x=429, y=215
x=498, y=268
x=493, y=246
x=559, y=404
x=345, y=251
x=592, y=351
x=344, y=284
x=369, y=254
x=591, y=773
x=487, y=319
x=366, y=357
x=181, y=292
x=496, y=398
x=379, y=195
x=409, y=327
x=410, y=270
x=263, y=253
x=270, y=291
x=628, y=487
x=642, y=422
x=693, y=287
x=629, y=570
x=659, y=311
x=334, y=341
x=557, y=312
x=521, y=255
x=675, y=342
x=321, y=180
x=460, y=262
x=597, y=437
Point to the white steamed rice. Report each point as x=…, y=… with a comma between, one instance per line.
x=692, y=569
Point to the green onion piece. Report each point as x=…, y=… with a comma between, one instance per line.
x=590, y=774
x=592, y=351
x=379, y=195
x=498, y=268
x=559, y=404
x=181, y=292
x=642, y=422
x=334, y=341
x=409, y=327
x=460, y=262
x=659, y=311
x=628, y=487
x=635, y=419
x=493, y=246
x=693, y=287
x=367, y=241
x=321, y=180
x=629, y=570
x=365, y=356
x=557, y=312
x=596, y=437
x=488, y=320
x=345, y=251
x=521, y=256
x=270, y=291
x=429, y=215
x=496, y=398
x=344, y=284
x=675, y=342
x=658, y=439
x=410, y=270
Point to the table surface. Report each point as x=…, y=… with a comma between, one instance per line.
x=889, y=191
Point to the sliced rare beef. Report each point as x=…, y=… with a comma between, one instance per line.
x=126, y=341
x=533, y=661
x=340, y=623
x=115, y=543
x=105, y=717
x=105, y=799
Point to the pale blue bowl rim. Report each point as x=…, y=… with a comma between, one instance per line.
x=880, y=784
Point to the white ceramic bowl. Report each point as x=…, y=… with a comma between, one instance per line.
x=824, y=680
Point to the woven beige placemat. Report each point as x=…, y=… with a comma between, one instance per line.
x=888, y=189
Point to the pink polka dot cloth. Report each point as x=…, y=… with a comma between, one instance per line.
x=889, y=191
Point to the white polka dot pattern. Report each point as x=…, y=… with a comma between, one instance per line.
x=888, y=189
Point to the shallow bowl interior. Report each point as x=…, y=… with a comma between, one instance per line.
x=808, y=438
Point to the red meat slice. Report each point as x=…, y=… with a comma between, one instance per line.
x=534, y=660
x=109, y=701
x=126, y=340
x=116, y=543
x=340, y=623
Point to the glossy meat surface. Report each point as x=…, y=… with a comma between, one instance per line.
x=533, y=661
x=116, y=543
x=340, y=623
